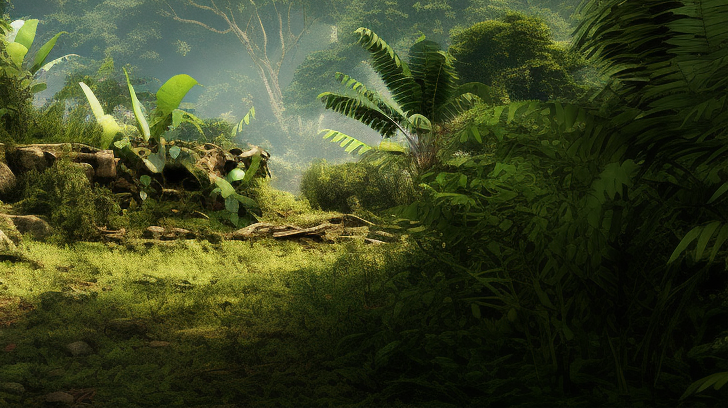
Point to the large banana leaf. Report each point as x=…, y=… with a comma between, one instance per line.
x=142, y=124
x=350, y=144
x=394, y=72
x=362, y=109
x=433, y=70
x=170, y=95
x=26, y=33
x=42, y=54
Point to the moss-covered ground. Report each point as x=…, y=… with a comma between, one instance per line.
x=236, y=323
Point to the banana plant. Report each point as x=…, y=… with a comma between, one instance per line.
x=19, y=40
x=166, y=115
x=424, y=93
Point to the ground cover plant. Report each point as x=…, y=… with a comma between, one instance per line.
x=198, y=324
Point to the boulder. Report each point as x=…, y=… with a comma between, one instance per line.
x=27, y=158
x=6, y=244
x=79, y=349
x=88, y=169
x=7, y=179
x=30, y=224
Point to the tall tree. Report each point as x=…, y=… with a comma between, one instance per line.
x=251, y=23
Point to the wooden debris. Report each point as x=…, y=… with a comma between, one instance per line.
x=351, y=220
x=317, y=230
x=257, y=229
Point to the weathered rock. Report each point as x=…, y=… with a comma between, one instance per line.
x=181, y=233
x=88, y=169
x=59, y=397
x=127, y=327
x=105, y=164
x=30, y=224
x=7, y=179
x=79, y=349
x=12, y=388
x=6, y=244
x=27, y=158
x=7, y=226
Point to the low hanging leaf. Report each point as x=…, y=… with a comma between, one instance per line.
x=704, y=234
x=391, y=147
x=235, y=175
x=226, y=189
x=252, y=169
x=717, y=380
x=17, y=53
x=351, y=144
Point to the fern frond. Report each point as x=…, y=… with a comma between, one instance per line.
x=350, y=144
x=243, y=122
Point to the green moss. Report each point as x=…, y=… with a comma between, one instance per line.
x=65, y=196
x=9, y=229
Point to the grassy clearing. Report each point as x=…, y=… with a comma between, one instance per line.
x=232, y=323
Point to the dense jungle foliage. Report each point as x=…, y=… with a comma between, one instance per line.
x=549, y=212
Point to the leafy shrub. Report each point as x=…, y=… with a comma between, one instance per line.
x=15, y=96
x=353, y=186
x=65, y=196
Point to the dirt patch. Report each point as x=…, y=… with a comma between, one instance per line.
x=12, y=309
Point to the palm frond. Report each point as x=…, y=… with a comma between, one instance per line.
x=359, y=107
x=394, y=72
